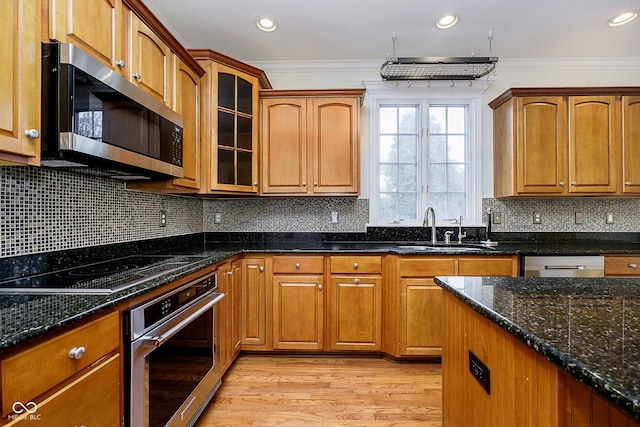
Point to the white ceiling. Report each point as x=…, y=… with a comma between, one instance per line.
x=336, y=30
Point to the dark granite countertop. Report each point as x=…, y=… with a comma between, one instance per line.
x=590, y=327
x=24, y=317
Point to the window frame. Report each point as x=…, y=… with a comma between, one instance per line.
x=437, y=94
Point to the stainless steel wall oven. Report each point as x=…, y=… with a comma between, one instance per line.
x=172, y=371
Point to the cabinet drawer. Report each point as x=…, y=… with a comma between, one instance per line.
x=298, y=264
x=427, y=267
x=356, y=264
x=622, y=265
x=486, y=266
x=37, y=369
x=91, y=400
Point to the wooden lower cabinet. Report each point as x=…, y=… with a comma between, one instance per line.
x=93, y=399
x=622, y=266
x=66, y=390
x=254, y=304
x=421, y=317
x=356, y=312
x=298, y=306
x=413, y=304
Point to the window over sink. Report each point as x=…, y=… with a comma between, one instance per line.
x=425, y=151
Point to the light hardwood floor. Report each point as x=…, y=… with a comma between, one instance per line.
x=326, y=391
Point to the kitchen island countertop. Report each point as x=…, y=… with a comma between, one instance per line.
x=589, y=327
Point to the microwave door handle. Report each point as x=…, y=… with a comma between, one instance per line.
x=157, y=341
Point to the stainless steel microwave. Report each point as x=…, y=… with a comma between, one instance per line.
x=94, y=121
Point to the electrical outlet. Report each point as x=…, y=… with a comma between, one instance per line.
x=334, y=217
x=609, y=217
x=537, y=218
x=163, y=218
x=496, y=217
x=217, y=218
x=579, y=218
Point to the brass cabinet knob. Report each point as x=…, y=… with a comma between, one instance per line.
x=574, y=183
x=627, y=183
x=634, y=266
x=561, y=183
x=120, y=63
x=261, y=268
x=356, y=280
x=355, y=265
x=136, y=76
x=319, y=287
x=297, y=265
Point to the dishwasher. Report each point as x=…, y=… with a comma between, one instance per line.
x=564, y=266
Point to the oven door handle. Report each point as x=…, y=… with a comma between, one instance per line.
x=157, y=341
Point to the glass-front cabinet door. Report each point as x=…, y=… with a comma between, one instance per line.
x=234, y=157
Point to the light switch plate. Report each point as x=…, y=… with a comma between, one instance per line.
x=217, y=218
x=334, y=217
x=609, y=217
x=537, y=218
x=579, y=218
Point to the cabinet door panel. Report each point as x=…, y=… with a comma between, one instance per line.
x=151, y=62
x=188, y=105
x=335, y=143
x=284, y=146
x=541, y=153
x=297, y=312
x=631, y=144
x=93, y=26
x=423, y=315
x=594, y=139
x=356, y=313
x=253, y=302
x=19, y=70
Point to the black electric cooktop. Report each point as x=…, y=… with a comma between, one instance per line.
x=102, y=278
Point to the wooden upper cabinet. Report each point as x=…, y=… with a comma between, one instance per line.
x=566, y=141
x=95, y=26
x=310, y=142
x=188, y=105
x=19, y=83
x=541, y=144
x=152, y=62
x=594, y=143
x=284, y=145
x=631, y=144
x=336, y=146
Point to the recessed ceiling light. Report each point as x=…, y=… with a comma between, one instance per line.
x=267, y=24
x=447, y=21
x=623, y=18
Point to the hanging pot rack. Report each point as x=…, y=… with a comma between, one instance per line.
x=437, y=68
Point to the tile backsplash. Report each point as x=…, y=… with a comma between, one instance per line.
x=286, y=214
x=44, y=210
x=559, y=214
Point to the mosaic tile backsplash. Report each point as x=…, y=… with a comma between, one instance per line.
x=44, y=210
x=559, y=214
x=286, y=215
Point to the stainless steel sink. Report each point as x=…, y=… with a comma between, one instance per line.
x=428, y=248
